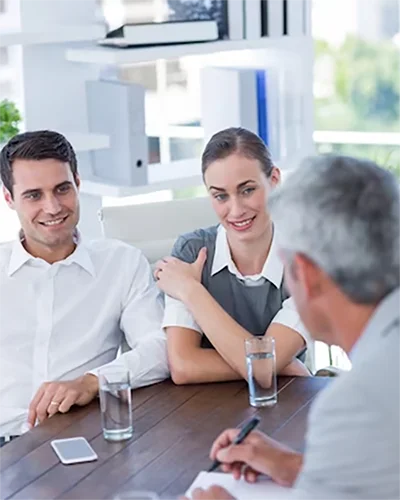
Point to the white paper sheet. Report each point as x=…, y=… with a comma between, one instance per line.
x=261, y=490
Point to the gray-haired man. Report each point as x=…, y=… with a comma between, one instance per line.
x=338, y=223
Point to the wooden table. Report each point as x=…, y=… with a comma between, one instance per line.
x=173, y=430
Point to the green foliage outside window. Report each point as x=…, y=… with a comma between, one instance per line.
x=364, y=96
x=366, y=87
x=10, y=118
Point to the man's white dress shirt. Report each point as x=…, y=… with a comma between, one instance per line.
x=59, y=321
x=177, y=314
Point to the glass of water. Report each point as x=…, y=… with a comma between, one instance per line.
x=261, y=371
x=115, y=403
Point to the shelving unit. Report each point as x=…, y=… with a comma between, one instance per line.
x=113, y=56
x=101, y=189
x=61, y=56
x=53, y=35
x=179, y=174
x=186, y=173
x=88, y=142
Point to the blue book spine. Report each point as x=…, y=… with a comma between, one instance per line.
x=262, y=105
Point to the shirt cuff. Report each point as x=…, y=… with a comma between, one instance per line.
x=177, y=314
x=291, y=319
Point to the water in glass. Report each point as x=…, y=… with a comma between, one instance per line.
x=261, y=378
x=116, y=411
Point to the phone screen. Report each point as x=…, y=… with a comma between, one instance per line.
x=73, y=449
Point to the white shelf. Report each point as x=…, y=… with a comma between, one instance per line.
x=351, y=137
x=174, y=175
x=104, y=55
x=101, y=189
x=88, y=142
x=57, y=34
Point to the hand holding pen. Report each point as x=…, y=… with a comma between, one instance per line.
x=255, y=455
x=244, y=431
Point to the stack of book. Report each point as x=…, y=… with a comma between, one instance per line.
x=161, y=33
x=245, y=19
x=191, y=21
x=266, y=101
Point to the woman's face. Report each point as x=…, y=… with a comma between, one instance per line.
x=239, y=190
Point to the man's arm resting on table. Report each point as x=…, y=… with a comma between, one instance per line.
x=190, y=363
x=53, y=397
x=146, y=361
x=141, y=318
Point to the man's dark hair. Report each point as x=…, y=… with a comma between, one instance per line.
x=37, y=145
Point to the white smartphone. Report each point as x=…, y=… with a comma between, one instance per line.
x=73, y=450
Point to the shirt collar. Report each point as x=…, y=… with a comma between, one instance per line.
x=81, y=256
x=19, y=256
x=384, y=316
x=272, y=269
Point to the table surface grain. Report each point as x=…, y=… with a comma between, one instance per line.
x=174, y=428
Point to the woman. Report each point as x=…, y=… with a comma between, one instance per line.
x=225, y=283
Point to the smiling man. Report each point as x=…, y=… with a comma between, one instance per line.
x=66, y=305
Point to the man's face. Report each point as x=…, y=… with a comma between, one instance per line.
x=45, y=197
x=305, y=284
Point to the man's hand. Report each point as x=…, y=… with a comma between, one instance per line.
x=53, y=397
x=257, y=454
x=174, y=277
x=211, y=493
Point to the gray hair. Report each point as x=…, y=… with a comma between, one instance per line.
x=343, y=214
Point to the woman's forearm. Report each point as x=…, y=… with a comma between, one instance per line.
x=199, y=365
x=219, y=326
x=226, y=335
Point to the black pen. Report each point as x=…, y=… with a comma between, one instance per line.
x=244, y=432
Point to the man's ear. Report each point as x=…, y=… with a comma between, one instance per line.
x=8, y=197
x=77, y=180
x=309, y=275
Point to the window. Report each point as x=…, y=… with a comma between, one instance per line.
x=357, y=91
x=357, y=79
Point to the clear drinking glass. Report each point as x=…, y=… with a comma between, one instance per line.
x=115, y=403
x=261, y=371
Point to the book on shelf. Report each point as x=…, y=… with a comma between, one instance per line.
x=244, y=97
x=294, y=13
x=235, y=17
x=272, y=21
x=267, y=101
x=274, y=18
x=162, y=33
x=252, y=19
x=117, y=110
x=228, y=14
